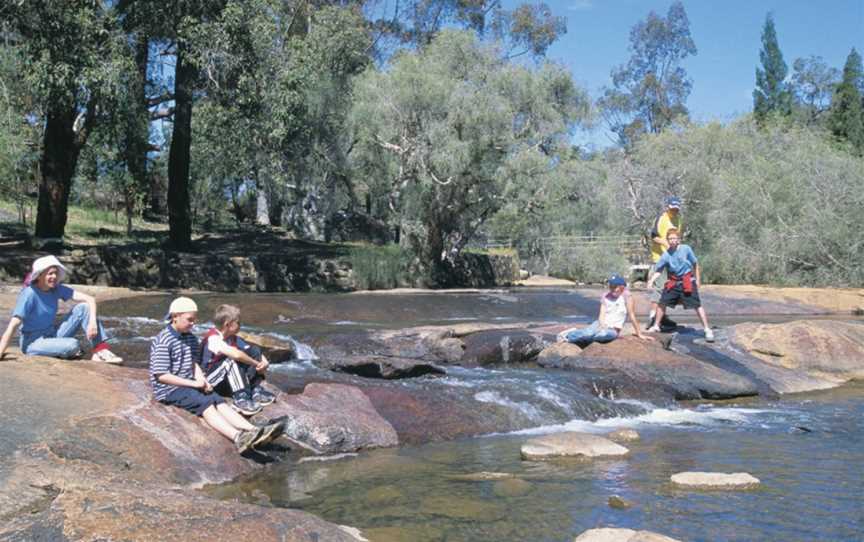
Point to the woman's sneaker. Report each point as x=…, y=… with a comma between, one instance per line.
x=244, y=404
x=709, y=336
x=268, y=433
x=262, y=396
x=106, y=356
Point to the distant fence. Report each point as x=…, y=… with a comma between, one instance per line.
x=538, y=251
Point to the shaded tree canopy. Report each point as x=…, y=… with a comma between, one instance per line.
x=847, y=112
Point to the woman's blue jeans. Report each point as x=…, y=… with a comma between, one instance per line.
x=592, y=334
x=61, y=342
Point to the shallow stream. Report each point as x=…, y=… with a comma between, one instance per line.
x=808, y=449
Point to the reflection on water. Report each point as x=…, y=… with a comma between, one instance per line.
x=812, y=487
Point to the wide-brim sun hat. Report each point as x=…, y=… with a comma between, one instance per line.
x=181, y=304
x=40, y=265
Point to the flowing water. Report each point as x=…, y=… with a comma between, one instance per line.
x=807, y=449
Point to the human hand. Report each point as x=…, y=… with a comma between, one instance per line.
x=648, y=338
x=201, y=383
x=262, y=365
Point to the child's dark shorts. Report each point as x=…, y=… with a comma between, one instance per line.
x=676, y=295
x=192, y=400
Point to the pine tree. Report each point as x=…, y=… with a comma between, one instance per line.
x=771, y=94
x=847, y=114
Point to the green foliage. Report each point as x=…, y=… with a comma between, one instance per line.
x=379, y=267
x=772, y=95
x=454, y=126
x=812, y=85
x=590, y=264
x=847, y=112
x=650, y=92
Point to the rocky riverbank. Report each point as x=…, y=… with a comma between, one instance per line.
x=85, y=454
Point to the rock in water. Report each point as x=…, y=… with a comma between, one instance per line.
x=621, y=535
x=618, y=503
x=715, y=480
x=623, y=435
x=276, y=351
x=571, y=445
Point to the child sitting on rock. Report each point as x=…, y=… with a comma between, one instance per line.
x=233, y=366
x=616, y=306
x=178, y=380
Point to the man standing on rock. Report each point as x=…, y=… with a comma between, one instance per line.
x=670, y=218
x=682, y=283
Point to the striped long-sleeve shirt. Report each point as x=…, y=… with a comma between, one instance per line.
x=175, y=353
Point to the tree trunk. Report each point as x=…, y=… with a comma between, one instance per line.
x=138, y=128
x=179, y=215
x=262, y=202
x=59, y=158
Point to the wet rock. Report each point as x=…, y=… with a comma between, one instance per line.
x=501, y=346
x=388, y=368
x=116, y=512
x=647, y=361
x=333, y=418
x=618, y=503
x=623, y=435
x=461, y=508
x=276, y=351
x=571, y=445
x=513, y=487
x=715, y=480
x=609, y=534
x=482, y=476
x=804, y=354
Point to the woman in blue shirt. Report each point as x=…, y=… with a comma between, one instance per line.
x=36, y=310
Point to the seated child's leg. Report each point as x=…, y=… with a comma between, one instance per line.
x=606, y=336
x=583, y=336
x=54, y=347
x=192, y=400
x=77, y=319
x=233, y=418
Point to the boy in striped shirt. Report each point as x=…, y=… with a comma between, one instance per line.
x=178, y=380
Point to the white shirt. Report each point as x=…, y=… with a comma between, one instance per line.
x=616, y=309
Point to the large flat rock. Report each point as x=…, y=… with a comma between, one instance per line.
x=571, y=444
x=715, y=480
x=685, y=376
x=828, y=350
x=611, y=534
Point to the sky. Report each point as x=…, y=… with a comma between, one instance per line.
x=727, y=34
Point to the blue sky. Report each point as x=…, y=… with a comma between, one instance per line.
x=727, y=35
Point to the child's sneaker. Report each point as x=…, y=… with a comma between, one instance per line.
x=262, y=396
x=709, y=336
x=244, y=440
x=653, y=329
x=268, y=433
x=244, y=404
x=106, y=356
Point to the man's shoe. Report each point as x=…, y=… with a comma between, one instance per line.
x=106, y=356
x=268, y=433
x=262, y=396
x=244, y=404
x=653, y=329
x=709, y=335
x=244, y=440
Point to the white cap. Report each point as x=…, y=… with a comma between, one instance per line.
x=182, y=304
x=44, y=263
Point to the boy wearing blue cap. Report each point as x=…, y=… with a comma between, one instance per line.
x=616, y=306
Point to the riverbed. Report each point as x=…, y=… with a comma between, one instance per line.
x=806, y=448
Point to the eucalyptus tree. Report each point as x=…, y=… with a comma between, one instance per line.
x=772, y=95
x=650, y=92
x=279, y=75
x=73, y=52
x=453, y=127
x=812, y=85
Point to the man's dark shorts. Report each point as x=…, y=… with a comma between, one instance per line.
x=676, y=295
x=192, y=400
